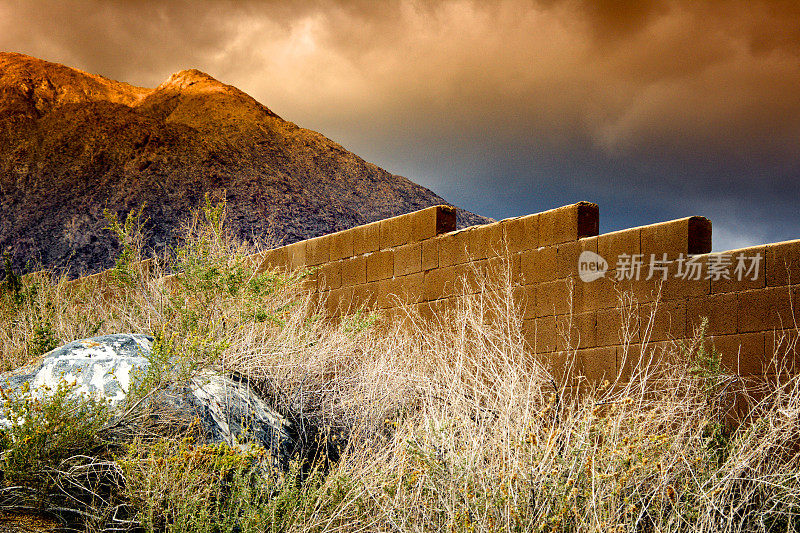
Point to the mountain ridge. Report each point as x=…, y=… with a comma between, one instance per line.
x=73, y=144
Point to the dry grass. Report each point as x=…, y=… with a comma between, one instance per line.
x=454, y=425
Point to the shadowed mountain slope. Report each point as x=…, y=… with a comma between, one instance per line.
x=73, y=144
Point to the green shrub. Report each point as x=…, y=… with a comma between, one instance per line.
x=180, y=486
x=43, y=339
x=131, y=237
x=45, y=427
x=12, y=285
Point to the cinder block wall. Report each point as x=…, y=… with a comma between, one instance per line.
x=420, y=260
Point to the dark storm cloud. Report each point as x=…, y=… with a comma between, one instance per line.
x=506, y=107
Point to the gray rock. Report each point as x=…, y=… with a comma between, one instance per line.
x=106, y=367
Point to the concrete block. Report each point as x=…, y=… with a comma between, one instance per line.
x=408, y=259
x=562, y=366
x=486, y=241
x=309, y=282
x=485, y=275
x=525, y=301
x=648, y=290
x=443, y=282
x=691, y=235
x=101, y=283
x=454, y=248
x=471, y=278
x=720, y=309
x=653, y=358
x=521, y=233
x=782, y=352
x=326, y=303
x=354, y=271
x=615, y=324
x=446, y=219
x=682, y=281
x=314, y=300
x=513, y=264
x=543, y=335
x=616, y=247
x=395, y=231
x=428, y=223
x=338, y=301
x=742, y=354
x=424, y=313
x=745, y=269
x=170, y=283
x=539, y=265
x=318, y=250
x=364, y=297
x=568, y=254
x=366, y=238
x=329, y=276
x=273, y=259
x=699, y=235
x=528, y=331
x=410, y=316
x=387, y=294
x=568, y=223
x=663, y=320
x=435, y=283
x=430, y=254
x=383, y=290
x=559, y=297
x=400, y=291
x=388, y=319
x=412, y=287
x=341, y=245
x=766, y=309
x=380, y=265
x=423, y=224
x=499, y=272
x=783, y=263
x=576, y=331
x=445, y=310
x=602, y=293
x=476, y=279
x=598, y=364
x=296, y=253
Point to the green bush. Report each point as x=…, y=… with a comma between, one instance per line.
x=11, y=286
x=131, y=237
x=46, y=427
x=180, y=486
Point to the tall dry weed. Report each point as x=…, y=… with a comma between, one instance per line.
x=453, y=422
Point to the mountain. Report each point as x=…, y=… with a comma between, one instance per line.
x=73, y=144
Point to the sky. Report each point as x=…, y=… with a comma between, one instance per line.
x=655, y=110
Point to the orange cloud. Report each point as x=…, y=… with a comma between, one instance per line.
x=629, y=75
x=694, y=88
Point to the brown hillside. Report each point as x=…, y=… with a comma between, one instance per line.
x=73, y=144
